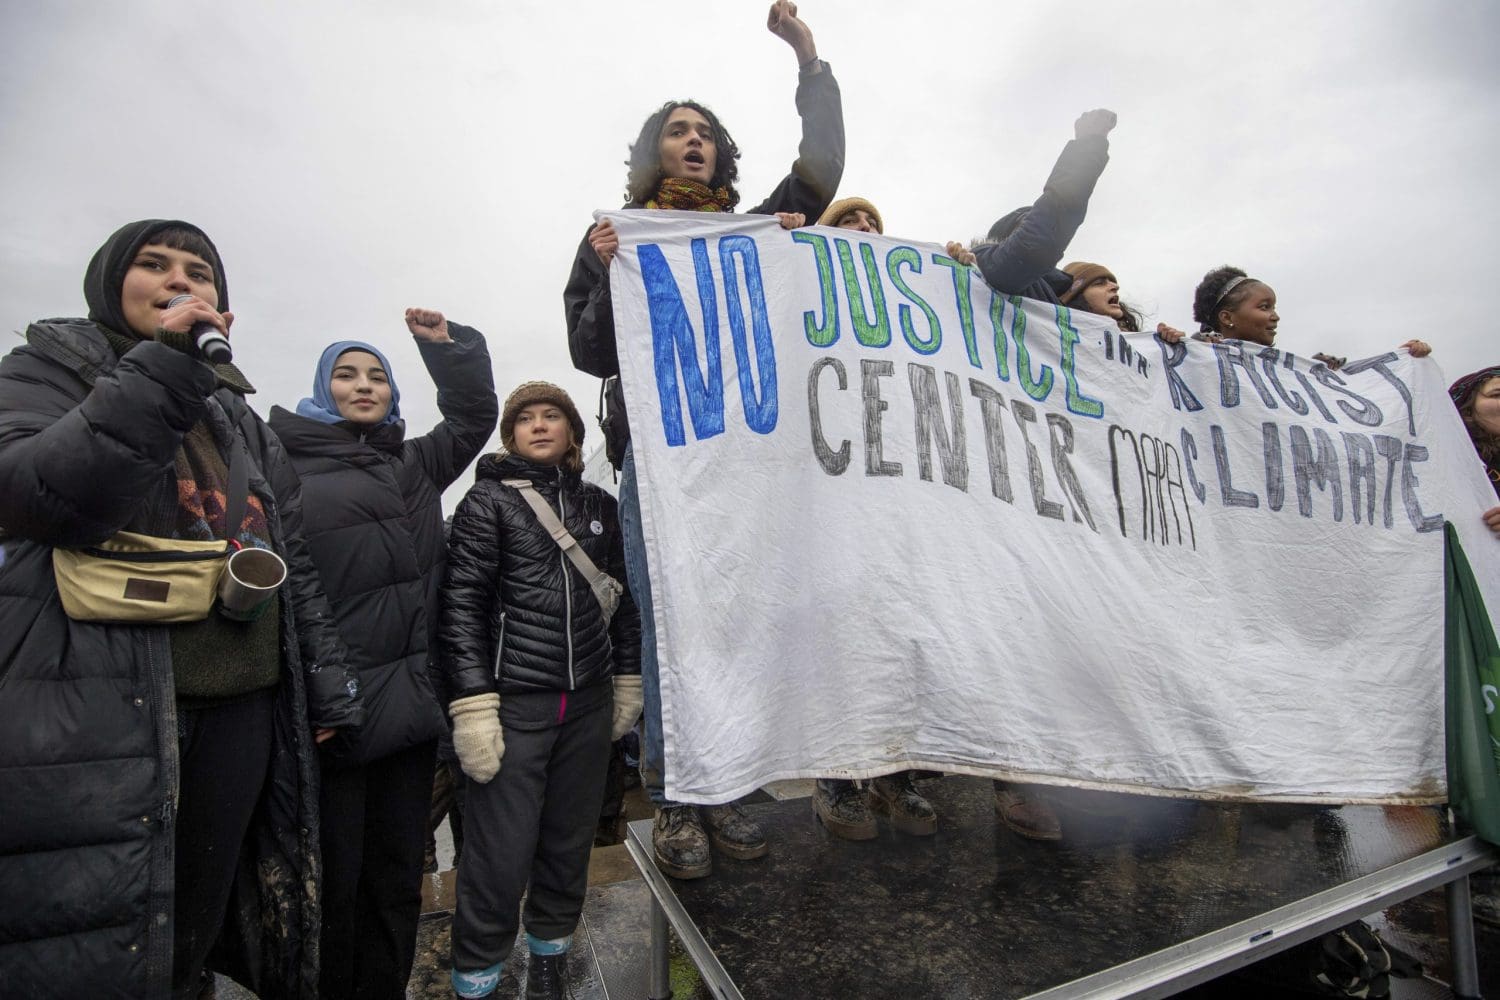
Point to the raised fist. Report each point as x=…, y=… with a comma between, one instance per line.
x=783, y=22
x=1096, y=122
x=428, y=325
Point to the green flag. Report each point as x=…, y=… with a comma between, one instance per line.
x=1473, y=697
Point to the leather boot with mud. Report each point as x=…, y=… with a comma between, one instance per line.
x=844, y=809
x=895, y=796
x=733, y=832
x=1025, y=814
x=545, y=975
x=680, y=845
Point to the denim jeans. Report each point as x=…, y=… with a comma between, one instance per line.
x=653, y=745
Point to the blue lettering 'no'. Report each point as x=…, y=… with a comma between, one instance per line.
x=674, y=344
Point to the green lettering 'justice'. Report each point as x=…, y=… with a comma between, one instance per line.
x=1067, y=337
x=893, y=262
x=1036, y=388
x=965, y=306
x=1002, y=349
x=870, y=334
x=826, y=333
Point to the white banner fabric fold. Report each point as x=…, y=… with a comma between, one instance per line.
x=896, y=520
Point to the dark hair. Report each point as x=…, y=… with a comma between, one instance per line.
x=1132, y=320
x=178, y=238
x=1487, y=444
x=1206, y=304
x=645, y=155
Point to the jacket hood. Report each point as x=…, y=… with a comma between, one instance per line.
x=341, y=440
x=321, y=406
x=1007, y=223
x=106, y=271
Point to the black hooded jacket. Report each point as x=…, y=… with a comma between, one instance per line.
x=374, y=526
x=809, y=188
x=518, y=616
x=88, y=764
x=1025, y=262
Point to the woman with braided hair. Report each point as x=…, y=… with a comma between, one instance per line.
x=684, y=159
x=1228, y=304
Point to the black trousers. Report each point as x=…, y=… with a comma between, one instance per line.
x=533, y=821
x=374, y=827
x=224, y=753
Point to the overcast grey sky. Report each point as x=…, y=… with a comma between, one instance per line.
x=351, y=160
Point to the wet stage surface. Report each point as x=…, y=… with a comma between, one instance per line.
x=976, y=911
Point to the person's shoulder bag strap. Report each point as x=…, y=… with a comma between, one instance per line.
x=560, y=535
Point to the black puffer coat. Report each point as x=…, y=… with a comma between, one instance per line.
x=1025, y=262
x=374, y=525
x=809, y=188
x=88, y=762
x=518, y=617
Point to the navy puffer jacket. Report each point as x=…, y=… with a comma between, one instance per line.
x=1025, y=262
x=518, y=616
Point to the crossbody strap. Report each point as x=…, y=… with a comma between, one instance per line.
x=560, y=535
x=239, y=490
x=239, y=466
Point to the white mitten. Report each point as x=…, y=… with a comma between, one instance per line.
x=628, y=704
x=477, y=737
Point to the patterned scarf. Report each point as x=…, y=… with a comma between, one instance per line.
x=689, y=196
x=203, y=493
x=202, y=473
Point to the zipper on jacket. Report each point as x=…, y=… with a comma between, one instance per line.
x=562, y=559
x=499, y=648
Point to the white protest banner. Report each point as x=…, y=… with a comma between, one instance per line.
x=896, y=520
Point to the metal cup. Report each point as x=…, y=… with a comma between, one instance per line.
x=249, y=582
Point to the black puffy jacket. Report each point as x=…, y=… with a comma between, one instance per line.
x=374, y=525
x=809, y=188
x=518, y=617
x=88, y=761
x=1025, y=262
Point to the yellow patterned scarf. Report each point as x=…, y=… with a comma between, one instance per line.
x=689, y=196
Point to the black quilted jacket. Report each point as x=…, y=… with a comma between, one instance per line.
x=88, y=759
x=374, y=526
x=518, y=617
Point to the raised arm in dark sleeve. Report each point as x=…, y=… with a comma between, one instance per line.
x=468, y=594
x=465, y=383
x=819, y=166
x=590, y=314
x=77, y=461
x=1043, y=236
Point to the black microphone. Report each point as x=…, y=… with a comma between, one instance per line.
x=212, y=344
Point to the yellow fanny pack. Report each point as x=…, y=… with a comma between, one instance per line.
x=140, y=578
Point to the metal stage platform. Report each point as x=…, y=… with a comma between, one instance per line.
x=1142, y=898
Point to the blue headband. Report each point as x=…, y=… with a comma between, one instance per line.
x=321, y=406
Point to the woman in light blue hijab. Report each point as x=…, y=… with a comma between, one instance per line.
x=373, y=521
